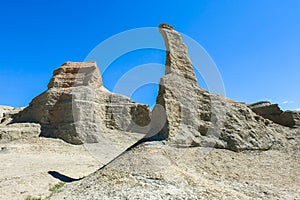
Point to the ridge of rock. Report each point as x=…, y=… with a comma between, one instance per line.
x=195, y=117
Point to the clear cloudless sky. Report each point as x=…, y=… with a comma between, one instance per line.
x=254, y=43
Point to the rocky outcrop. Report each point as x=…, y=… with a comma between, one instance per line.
x=296, y=117
x=78, y=109
x=195, y=117
x=10, y=132
x=7, y=113
x=3, y=111
x=275, y=114
x=19, y=131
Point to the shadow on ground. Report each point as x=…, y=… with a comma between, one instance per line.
x=62, y=177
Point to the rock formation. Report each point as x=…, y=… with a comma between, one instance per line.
x=3, y=110
x=11, y=132
x=275, y=114
x=78, y=109
x=195, y=117
x=179, y=151
x=7, y=114
x=19, y=131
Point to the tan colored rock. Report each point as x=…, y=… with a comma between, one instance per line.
x=3, y=110
x=178, y=61
x=195, y=117
x=7, y=113
x=19, y=131
x=78, y=109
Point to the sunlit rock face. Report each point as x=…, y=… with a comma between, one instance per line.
x=181, y=164
x=78, y=109
x=195, y=117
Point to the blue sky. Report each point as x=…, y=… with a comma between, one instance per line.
x=254, y=43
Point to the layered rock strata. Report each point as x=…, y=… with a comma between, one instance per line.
x=195, y=117
x=19, y=131
x=78, y=109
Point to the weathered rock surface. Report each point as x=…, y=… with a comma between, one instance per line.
x=3, y=110
x=11, y=132
x=275, y=114
x=19, y=131
x=7, y=113
x=78, y=109
x=195, y=117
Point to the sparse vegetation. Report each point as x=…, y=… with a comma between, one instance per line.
x=56, y=187
x=53, y=190
x=33, y=198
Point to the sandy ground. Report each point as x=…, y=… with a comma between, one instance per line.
x=24, y=166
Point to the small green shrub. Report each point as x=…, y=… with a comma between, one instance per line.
x=33, y=198
x=56, y=187
x=53, y=190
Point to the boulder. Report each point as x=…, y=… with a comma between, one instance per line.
x=78, y=109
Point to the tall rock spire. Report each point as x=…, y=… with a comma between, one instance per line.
x=177, y=58
x=195, y=117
